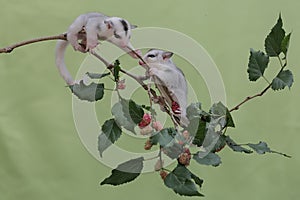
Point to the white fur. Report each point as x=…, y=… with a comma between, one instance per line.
x=96, y=27
x=165, y=73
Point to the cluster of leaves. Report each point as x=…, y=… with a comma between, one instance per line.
x=276, y=44
x=207, y=130
x=127, y=114
x=94, y=91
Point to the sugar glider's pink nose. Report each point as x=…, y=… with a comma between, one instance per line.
x=141, y=62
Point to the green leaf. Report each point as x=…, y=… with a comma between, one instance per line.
x=148, y=108
x=193, y=110
x=125, y=172
x=210, y=159
x=197, y=128
x=197, y=180
x=103, y=143
x=116, y=70
x=258, y=62
x=111, y=129
x=229, y=119
x=121, y=119
x=283, y=79
x=163, y=137
x=198, y=120
x=96, y=75
x=173, y=149
x=274, y=39
x=235, y=147
x=181, y=181
x=285, y=44
x=260, y=148
x=220, y=144
x=133, y=112
x=207, y=133
x=218, y=115
x=110, y=132
x=92, y=92
x=211, y=138
x=218, y=121
x=219, y=111
x=136, y=112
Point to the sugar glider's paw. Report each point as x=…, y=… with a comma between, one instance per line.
x=91, y=45
x=135, y=53
x=153, y=71
x=78, y=47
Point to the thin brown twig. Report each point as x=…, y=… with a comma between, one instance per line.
x=111, y=66
x=149, y=84
x=251, y=97
x=105, y=62
x=263, y=91
x=137, y=79
x=10, y=48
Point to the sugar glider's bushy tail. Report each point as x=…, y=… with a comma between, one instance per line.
x=60, y=61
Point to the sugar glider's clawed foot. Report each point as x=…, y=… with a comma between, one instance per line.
x=80, y=48
x=156, y=99
x=160, y=101
x=91, y=45
x=143, y=78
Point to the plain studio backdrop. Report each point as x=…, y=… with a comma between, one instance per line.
x=41, y=155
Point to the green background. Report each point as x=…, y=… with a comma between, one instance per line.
x=41, y=156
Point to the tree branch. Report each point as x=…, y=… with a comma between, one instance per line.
x=251, y=97
x=10, y=48
x=63, y=36
x=109, y=66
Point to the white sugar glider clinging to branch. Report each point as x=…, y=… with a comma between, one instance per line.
x=90, y=28
x=169, y=80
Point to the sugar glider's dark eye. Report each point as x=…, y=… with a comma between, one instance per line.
x=151, y=56
x=116, y=35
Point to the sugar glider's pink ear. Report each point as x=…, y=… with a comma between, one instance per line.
x=133, y=26
x=167, y=55
x=109, y=24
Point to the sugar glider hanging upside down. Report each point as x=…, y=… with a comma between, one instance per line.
x=89, y=29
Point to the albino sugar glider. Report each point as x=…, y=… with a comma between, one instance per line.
x=169, y=80
x=89, y=28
